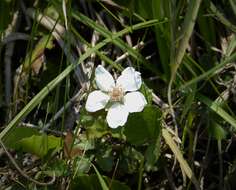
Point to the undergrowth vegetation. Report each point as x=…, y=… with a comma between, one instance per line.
x=179, y=130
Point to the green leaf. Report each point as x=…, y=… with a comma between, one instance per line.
x=46, y=42
x=159, y=10
x=214, y=106
x=217, y=131
x=130, y=160
x=84, y=143
x=106, y=163
x=221, y=17
x=106, y=160
x=207, y=27
x=82, y=164
x=233, y=5
x=101, y=180
x=86, y=119
x=39, y=145
x=17, y=134
x=97, y=130
x=144, y=126
x=152, y=154
x=57, y=168
x=211, y=72
x=147, y=92
x=143, y=8
x=190, y=95
x=91, y=182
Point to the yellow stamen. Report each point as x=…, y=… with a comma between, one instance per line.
x=117, y=94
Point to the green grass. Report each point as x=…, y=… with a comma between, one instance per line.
x=186, y=60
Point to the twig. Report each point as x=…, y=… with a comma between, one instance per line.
x=150, y=56
x=100, y=20
x=7, y=60
x=159, y=102
x=140, y=45
x=127, y=36
x=21, y=171
x=94, y=40
x=15, y=36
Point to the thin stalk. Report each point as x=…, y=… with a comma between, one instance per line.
x=141, y=169
x=220, y=164
x=222, y=18
x=183, y=163
x=211, y=72
x=189, y=23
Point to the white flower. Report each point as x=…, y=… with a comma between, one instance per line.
x=122, y=94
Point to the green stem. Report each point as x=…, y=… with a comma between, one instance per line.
x=140, y=175
x=189, y=23
x=222, y=18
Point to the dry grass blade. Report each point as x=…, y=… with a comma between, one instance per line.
x=183, y=163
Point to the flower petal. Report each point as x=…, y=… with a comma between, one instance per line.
x=134, y=102
x=130, y=79
x=117, y=115
x=104, y=79
x=96, y=100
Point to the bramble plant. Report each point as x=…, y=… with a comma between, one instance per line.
x=119, y=95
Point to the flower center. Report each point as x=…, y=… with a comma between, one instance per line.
x=117, y=94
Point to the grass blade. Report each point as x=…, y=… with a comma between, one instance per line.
x=101, y=180
x=117, y=41
x=222, y=18
x=210, y=72
x=217, y=109
x=183, y=163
